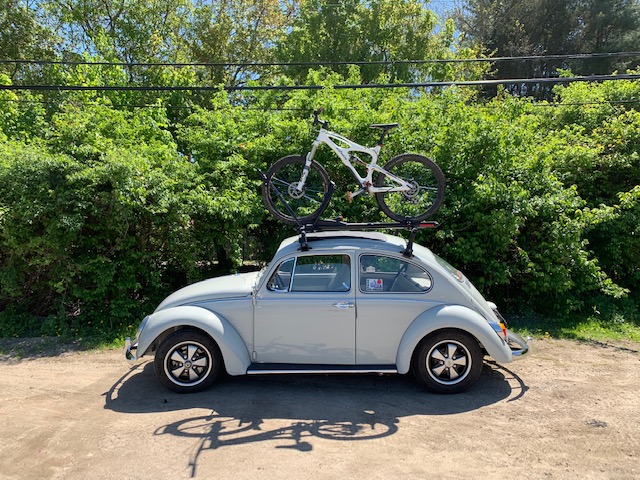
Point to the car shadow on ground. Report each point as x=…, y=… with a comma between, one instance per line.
x=307, y=396
x=290, y=409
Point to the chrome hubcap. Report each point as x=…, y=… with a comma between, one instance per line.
x=188, y=363
x=448, y=362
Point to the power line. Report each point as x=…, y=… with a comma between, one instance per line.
x=573, y=56
x=286, y=109
x=231, y=88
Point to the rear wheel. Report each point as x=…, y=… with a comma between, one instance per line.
x=187, y=361
x=281, y=196
x=426, y=194
x=448, y=362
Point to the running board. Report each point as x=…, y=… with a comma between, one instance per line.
x=272, y=368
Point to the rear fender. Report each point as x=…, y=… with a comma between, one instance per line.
x=233, y=349
x=450, y=317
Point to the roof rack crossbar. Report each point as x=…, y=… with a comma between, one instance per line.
x=320, y=225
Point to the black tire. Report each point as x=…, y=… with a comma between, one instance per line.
x=448, y=361
x=423, y=200
x=284, y=176
x=187, y=361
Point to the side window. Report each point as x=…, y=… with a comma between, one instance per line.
x=280, y=281
x=312, y=273
x=379, y=273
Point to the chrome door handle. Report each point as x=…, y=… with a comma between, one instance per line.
x=344, y=305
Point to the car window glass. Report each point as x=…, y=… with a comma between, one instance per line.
x=379, y=273
x=280, y=281
x=322, y=273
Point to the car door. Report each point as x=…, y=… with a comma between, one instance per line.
x=305, y=312
x=392, y=292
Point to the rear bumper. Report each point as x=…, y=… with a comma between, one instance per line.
x=520, y=347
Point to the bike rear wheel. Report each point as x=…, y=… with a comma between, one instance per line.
x=280, y=194
x=423, y=199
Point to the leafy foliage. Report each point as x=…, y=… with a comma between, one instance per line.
x=552, y=27
x=110, y=200
x=380, y=30
x=105, y=216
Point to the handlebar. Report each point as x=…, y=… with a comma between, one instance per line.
x=317, y=121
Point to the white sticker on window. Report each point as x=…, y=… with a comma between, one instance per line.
x=374, y=284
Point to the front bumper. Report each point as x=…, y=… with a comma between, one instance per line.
x=130, y=350
x=520, y=347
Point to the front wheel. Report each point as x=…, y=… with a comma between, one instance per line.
x=448, y=362
x=426, y=193
x=187, y=361
x=282, y=198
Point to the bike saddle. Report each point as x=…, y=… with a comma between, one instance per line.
x=384, y=126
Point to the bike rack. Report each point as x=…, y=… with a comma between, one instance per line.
x=325, y=225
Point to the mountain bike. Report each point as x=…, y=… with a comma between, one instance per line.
x=297, y=189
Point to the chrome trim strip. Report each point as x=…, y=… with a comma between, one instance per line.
x=319, y=371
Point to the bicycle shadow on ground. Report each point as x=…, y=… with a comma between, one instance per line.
x=288, y=410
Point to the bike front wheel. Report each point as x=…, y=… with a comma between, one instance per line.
x=282, y=198
x=425, y=196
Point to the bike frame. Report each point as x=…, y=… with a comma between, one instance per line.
x=346, y=154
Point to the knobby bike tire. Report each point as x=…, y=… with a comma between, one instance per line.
x=422, y=201
x=283, y=176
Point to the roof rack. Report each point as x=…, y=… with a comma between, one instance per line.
x=323, y=225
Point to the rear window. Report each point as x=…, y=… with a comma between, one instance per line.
x=381, y=273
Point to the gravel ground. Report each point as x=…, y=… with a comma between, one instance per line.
x=570, y=410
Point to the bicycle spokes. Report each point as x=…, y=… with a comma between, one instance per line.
x=281, y=194
x=424, y=195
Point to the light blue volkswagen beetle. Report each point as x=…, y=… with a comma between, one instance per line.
x=342, y=302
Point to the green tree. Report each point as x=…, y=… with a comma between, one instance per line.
x=23, y=36
x=237, y=32
x=539, y=27
x=371, y=31
x=122, y=30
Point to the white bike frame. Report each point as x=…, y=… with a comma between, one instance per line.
x=346, y=154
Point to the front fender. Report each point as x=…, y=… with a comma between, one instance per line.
x=450, y=317
x=233, y=349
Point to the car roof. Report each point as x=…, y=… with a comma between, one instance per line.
x=358, y=240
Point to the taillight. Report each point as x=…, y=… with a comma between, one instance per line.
x=504, y=329
x=500, y=328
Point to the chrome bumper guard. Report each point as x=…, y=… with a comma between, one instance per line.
x=130, y=351
x=520, y=347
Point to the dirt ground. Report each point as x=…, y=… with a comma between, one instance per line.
x=570, y=410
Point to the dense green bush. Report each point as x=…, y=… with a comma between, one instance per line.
x=104, y=217
x=104, y=209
